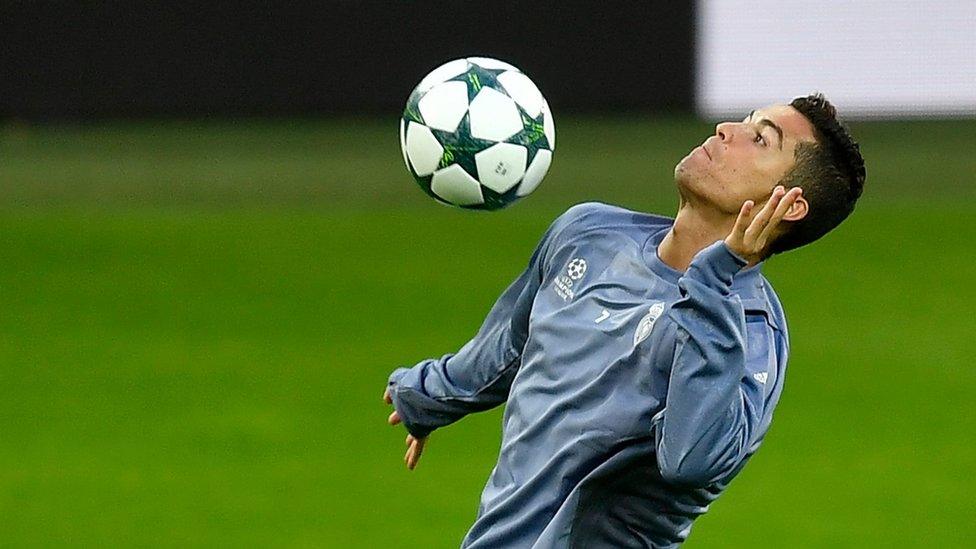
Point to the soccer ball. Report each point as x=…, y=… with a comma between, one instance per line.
x=477, y=134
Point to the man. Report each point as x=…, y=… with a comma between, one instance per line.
x=641, y=357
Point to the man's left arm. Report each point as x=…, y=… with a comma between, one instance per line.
x=714, y=407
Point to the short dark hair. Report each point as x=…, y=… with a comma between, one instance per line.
x=830, y=172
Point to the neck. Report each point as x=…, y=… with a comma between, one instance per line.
x=694, y=229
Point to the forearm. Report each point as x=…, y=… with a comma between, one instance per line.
x=705, y=429
x=427, y=397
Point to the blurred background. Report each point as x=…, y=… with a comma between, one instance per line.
x=211, y=256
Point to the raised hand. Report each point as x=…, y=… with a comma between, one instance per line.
x=415, y=446
x=751, y=236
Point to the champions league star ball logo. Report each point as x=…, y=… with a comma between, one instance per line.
x=563, y=284
x=576, y=268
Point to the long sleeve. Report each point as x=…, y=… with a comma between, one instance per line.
x=714, y=406
x=438, y=392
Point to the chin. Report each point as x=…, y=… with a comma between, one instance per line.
x=685, y=173
x=694, y=187
x=691, y=163
x=687, y=189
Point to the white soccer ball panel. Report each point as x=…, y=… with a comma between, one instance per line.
x=491, y=64
x=423, y=149
x=494, y=116
x=442, y=73
x=537, y=170
x=456, y=186
x=403, y=141
x=444, y=105
x=548, y=125
x=523, y=91
x=501, y=166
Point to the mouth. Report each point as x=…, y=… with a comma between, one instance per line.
x=704, y=146
x=704, y=150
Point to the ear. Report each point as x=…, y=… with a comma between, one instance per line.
x=798, y=210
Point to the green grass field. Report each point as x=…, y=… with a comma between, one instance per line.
x=197, y=321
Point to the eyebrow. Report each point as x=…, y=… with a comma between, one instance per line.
x=767, y=122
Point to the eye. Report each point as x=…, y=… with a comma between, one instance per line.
x=760, y=139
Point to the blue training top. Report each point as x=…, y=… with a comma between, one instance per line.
x=634, y=392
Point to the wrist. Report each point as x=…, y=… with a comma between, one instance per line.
x=717, y=262
x=738, y=255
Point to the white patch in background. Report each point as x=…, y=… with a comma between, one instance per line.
x=872, y=58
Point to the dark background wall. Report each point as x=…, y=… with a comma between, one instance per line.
x=83, y=60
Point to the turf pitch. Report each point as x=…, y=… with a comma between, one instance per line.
x=197, y=320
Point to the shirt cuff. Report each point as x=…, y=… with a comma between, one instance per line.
x=409, y=402
x=716, y=263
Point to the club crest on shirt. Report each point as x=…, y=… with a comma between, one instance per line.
x=647, y=323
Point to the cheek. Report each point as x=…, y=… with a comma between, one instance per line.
x=752, y=173
x=735, y=164
x=775, y=166
x=739, y=180
x=726, y=190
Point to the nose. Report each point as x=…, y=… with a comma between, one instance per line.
x=724, y=131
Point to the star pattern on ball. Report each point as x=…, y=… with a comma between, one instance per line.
x=533, y=135
x=412, y=113
x=478, y=77
x=460, y=146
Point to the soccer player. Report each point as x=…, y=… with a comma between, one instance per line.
x=641, y=357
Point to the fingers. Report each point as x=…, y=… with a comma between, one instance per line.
x=414, y=451
x=742, y=222
x=784, y=205
x=750, y=235
x=415, y=446
x=765, y=214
